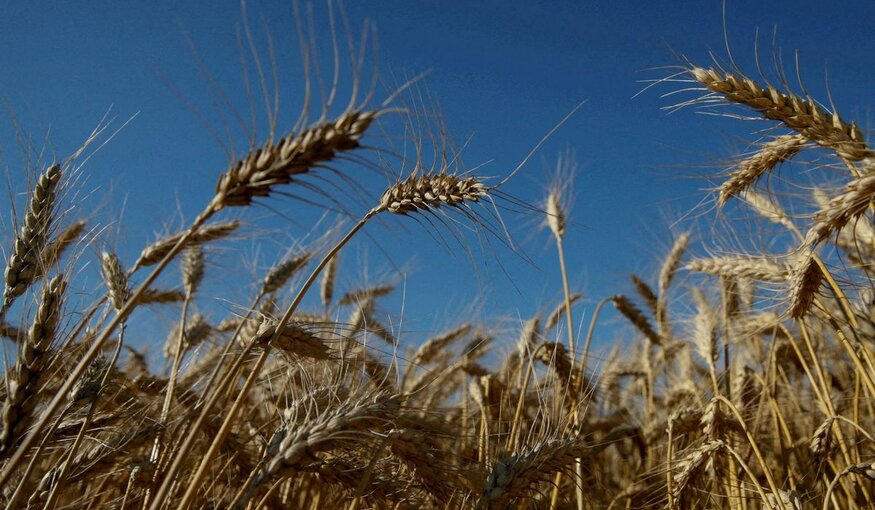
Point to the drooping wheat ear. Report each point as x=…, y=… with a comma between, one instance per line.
x=294, y=155
x=197, y=329
x=342, y=425
x=157, y=296
x=115, y=278
x=436, y=345
x=821, y=442
x=416, y=442
x=359, y=296
x=192, y=269
x=88, y=386
x=850, y=205
x=56, y=247
x=756, y=268
x=555, y=355
x=799, y=114
x=156, y=251
x=421, y=193
x=329, y=275
x=805, y=280
x=250, y=328
x=279, y=275
x=559, y=311
x=770, y=155
x=515, y=477
x=294, y=338
x=23, y=381
x=666, y=275
x=634, y=315
x=689, y=466
x=23, y=264
x=646, y=293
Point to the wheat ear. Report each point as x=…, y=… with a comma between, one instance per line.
x=24, y=380
x=800, y=114
x=631, y=312
x=805, y=280
x=296, y=445
x=850, y=205
x=156, y=251
x=282, y=272
x=421, y=193
x=760, y=269
x=770, y=155
x=23, y=264
x=294, y=155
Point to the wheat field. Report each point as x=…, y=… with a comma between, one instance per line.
x=753, y=390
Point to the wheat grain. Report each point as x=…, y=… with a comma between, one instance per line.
x=326, y=286
x=352, y=419
x=850, y=205
x=365, y=295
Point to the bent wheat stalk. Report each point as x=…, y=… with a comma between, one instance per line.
x=254, y=176
x=417, y=193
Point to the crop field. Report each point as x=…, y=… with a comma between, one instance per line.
x=738, y=375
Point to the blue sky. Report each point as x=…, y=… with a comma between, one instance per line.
x=503, y=73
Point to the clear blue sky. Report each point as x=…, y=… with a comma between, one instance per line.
x=504, y=72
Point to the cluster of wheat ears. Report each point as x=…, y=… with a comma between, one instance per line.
x=741, y=404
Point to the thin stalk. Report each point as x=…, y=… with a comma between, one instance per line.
x=50, y=503
x=191, y=433
x=191, y=491
x=567, y=291
x=572, y=352
x=171, y=386
x=773, y=485
x=60, y=395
